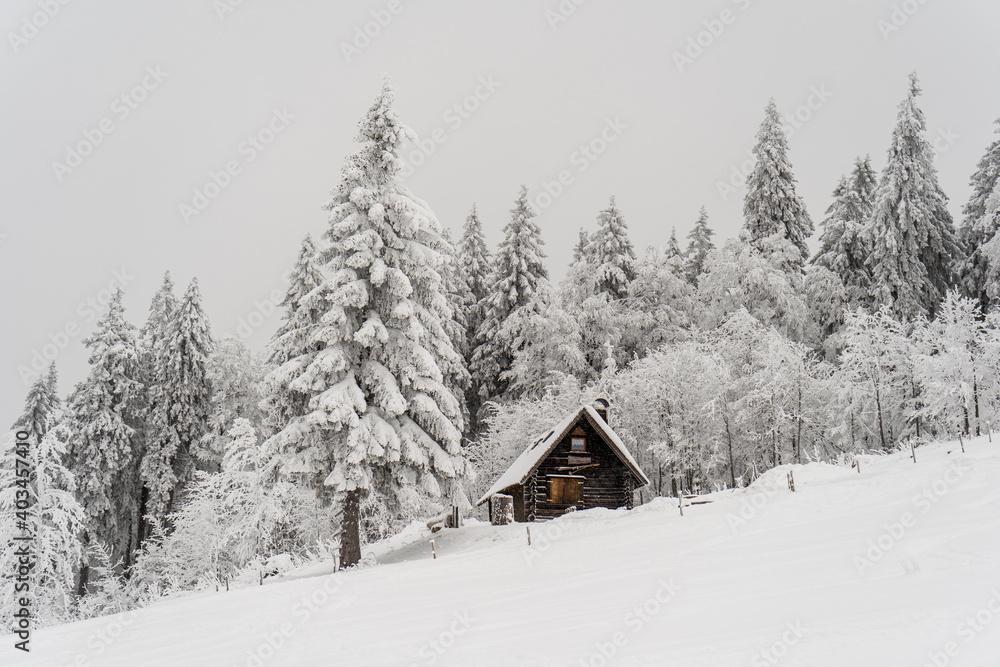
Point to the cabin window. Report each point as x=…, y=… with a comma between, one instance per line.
x=578, y=444
x=565, y=490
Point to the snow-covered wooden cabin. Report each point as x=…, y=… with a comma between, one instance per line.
x=581, y=463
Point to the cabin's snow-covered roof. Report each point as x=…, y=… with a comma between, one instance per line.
x=535, y=453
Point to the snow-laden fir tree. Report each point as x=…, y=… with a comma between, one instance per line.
x=457, y=290
x=58, y=522
x=581, y=250
x=155, y=331
x=771, y=206
x=613, y=255
x=518, y=270
x=152, y=343
x=103, y=414
x=181, y=406
x=989, y=251
x=293, y=346
x=458, y=294
x=673, y=247
x=977, y=227
x=699, y=245
x=843, y=248
x=913, y=245
x=474, y=265
x=41, y=407
x=381, y=422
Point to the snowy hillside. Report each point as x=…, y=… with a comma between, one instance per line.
x=897, y=565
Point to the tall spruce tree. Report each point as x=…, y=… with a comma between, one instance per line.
x=519, y=268
x=673, y=247
x=913, y=245
x=581, y=249
x=474, y=263
x=152, y=343
x=843, y=249
x=41, y=407
x=381, y=422
x=772, y=207
x=103, y=414
x=977, y=227
x=699, y=245
x=154, y=331
x=458, y=294
x=294, y=344
x=182, y=405
x=613, y=253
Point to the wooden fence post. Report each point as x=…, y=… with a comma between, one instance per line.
x=791, y=481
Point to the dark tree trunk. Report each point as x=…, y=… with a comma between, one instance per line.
x=350, y=537
x=881, y=423
x=975, y=401
x=84, y=577
x=142, y=528
x=732, y=464
x=798, y=429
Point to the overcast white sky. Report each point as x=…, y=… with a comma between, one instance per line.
x=680, y=133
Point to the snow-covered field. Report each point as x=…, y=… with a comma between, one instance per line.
x=897, y=565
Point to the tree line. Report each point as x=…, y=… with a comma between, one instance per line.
x=405, y=360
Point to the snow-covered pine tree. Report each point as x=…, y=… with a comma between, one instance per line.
x=842, y=244
x=152, y=345
x=474, y=264
x=699, y=245
x=673, y=248
x=293, y=345
x=581, y=249
x=518, y=270
x=771, y=206
x=182, y=407
x=41, y=407
x=381, y=422
x=613, y=254
x=977, y=227
x=989, y=251
x=154, y=332
x=913, y=245
x=458, y=293
x=103, y=414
